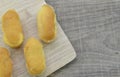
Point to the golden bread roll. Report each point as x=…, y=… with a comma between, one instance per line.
x=46, y=21
x=34, y=55
x=5, y=63
x=12, y=29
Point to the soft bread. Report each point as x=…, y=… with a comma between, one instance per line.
x=46, y=20
x=34, y=55
x=12, y=29
x=5, y=63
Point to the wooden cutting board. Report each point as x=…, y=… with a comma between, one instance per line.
x=58, y=53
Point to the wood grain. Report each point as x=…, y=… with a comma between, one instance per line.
x=93, y=27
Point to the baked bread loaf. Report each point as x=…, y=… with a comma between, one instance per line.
x=46, y=21
x=34, y=56
x=5, y=63
x=12, y=29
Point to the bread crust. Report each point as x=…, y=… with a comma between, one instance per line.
x=12, y=29
x=6, y=65
x=46, y=21
x=34, y=56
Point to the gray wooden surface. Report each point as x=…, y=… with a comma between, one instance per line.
x=93, y=27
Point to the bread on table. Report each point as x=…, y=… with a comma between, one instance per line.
x=46, y=20
x=34, y=56
x=6, y=65
x=12, y=29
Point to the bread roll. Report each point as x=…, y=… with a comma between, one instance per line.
x=12, y=29
x=5, y=63
x=34, y=55
x=46, y=20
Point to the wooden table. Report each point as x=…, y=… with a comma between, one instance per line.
x=93, y=27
